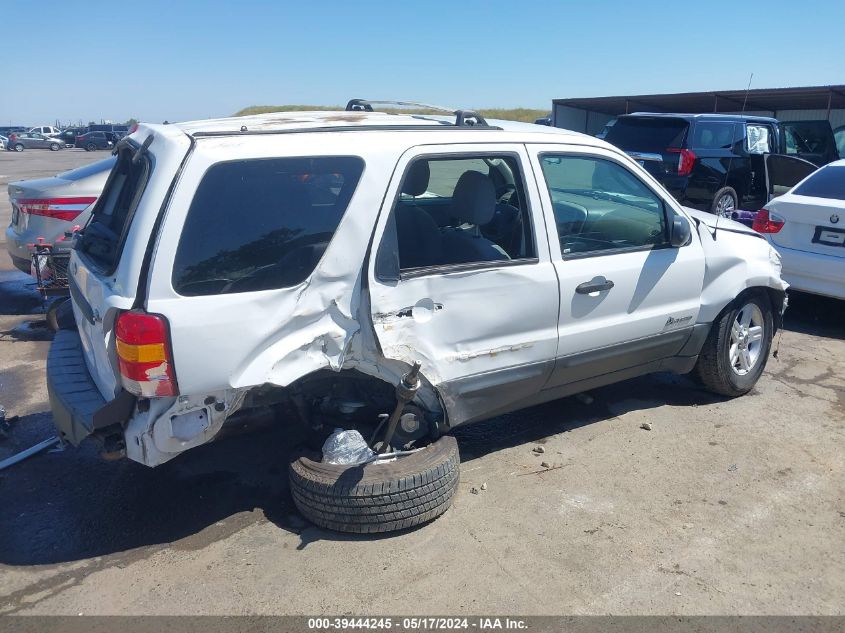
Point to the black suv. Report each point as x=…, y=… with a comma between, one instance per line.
x=719, y=162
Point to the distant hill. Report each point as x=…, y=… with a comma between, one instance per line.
x=511, y=114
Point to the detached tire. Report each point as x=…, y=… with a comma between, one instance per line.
x=375, y=498
x=737, y=347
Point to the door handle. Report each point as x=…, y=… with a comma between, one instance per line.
x=594, y=285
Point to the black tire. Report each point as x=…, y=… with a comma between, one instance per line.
x=90, y=147
x=55, y=147
x=18, y=147
x=726, y=194
x=375, y=498
x=714, y=368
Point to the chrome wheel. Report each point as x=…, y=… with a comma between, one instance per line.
x=747, y=338
x=725, y=205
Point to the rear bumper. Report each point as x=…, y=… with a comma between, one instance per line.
x=78, y=407
x=813, y=272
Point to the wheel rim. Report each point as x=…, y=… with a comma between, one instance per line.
x=747, y=338
x=725, y=205
x=18, y=148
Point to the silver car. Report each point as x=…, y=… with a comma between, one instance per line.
x=48, y=207
x=4, y=142
x=32, y=140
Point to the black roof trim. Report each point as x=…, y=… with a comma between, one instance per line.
x=347, y=128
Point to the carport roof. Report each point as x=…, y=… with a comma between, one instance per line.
x=769, y=99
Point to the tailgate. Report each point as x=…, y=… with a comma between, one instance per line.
x=109, y=256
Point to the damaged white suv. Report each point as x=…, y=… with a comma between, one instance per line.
x=307, y=262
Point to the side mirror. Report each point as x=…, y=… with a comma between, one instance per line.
x=681, y=232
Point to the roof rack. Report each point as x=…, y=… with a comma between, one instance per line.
x=462, y=117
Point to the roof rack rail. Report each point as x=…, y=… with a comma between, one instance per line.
x=462, y=117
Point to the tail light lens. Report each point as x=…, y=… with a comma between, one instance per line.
x=686, y=160
x=144, y=357
x=765, y=222
x=57, y=208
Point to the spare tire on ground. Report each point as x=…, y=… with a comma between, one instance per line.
x=378, y=497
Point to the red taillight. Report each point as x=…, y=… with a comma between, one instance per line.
x=143, y=353
x=686, y=160
x=766, y=223
x=57, y=208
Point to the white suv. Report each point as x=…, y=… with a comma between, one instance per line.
x=306, y=262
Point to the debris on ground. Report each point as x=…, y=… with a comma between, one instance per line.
x=32, y=450
x=346, y=447
x=539, y=449
x=474, y=490
x=732, y=467
x=545, y=464
x=584, y=398
x=484, y=486
x=646, y=426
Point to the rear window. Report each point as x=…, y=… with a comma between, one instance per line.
x=113, y=211
x=262, y=224
x=827, y=182
x=644, y=134
x=89, y=170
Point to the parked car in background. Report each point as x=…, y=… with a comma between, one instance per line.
x=69, y=135
x=48, y=207
x=6, y=130
x=46, y=130
x=452, y=271
x=807, y=227
x=33, y=140
x=713, y=162
x=839, y=137
x=94, y=140
x=3, y=142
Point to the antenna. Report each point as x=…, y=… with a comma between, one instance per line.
x=731, y=159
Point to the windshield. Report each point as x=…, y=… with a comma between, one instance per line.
x=647, y=134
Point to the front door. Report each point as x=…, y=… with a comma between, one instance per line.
x=628, y=298
x=471, y=293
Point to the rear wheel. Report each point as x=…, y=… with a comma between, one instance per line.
x=378, y=497
x=737, y=348
x=724, y=202
x=90, y=147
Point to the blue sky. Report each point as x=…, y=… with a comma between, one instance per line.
x=184, y=59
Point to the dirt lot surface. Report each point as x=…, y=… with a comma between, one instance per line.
x=724, y=507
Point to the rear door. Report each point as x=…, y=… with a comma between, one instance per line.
x=813, y=214
x=476, y=301
x=810, y=140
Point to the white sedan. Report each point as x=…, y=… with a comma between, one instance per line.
x=807, y=227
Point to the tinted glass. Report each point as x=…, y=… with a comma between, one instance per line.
x=600, y=205
x=827, y=182
x=89, y=170
x=263, y=223
x=713, y=135
x=644, y=134
x=807, y=137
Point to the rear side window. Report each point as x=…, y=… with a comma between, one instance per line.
x=644, y=134
x=827, y=182
x=262, y=224
x=115, y=207
x=713, y=135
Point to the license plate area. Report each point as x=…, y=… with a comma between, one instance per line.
x=829, y=236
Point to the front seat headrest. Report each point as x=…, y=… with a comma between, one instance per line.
x=474, y=198
x=416, y=180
